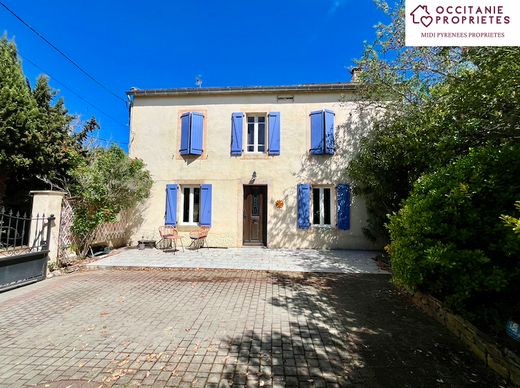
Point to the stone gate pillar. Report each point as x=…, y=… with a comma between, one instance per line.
x=49, y=202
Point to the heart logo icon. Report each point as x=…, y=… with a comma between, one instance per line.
x=426, y=21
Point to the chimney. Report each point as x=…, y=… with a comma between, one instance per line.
x=355, y=71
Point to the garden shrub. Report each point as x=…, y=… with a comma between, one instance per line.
x=107, y=182
x=449, y=240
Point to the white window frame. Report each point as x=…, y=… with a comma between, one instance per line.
x=255, y=133
x=322, y=223
x=191, y=200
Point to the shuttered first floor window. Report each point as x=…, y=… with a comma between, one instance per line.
x=256, y=138
x=190, y=204
x=321, y=206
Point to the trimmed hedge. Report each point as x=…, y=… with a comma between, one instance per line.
x=448, y=238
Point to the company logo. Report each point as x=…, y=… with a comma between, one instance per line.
x=462, y=22
x=420, y=15
x=460, y=14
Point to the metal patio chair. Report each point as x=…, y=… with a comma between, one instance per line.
x=198, y=238
x=171, y=234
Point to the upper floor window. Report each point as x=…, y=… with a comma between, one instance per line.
x=192, y=126
x=321, y=206
x=256, y=135
x=262, y=133
x=322, y=132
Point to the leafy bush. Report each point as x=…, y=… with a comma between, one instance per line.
x=513, y=222
x=449, y=240
x=107, y=182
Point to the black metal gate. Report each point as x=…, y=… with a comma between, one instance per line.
x=24, y=248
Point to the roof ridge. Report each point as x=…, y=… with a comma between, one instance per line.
x=315, y=87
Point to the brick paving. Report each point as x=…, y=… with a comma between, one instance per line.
x=219, y=328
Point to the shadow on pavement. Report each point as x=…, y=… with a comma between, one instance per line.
x=349, y=330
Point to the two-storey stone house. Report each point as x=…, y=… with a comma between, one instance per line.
x=259, y=165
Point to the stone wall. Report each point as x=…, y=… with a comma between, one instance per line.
x=500, y=359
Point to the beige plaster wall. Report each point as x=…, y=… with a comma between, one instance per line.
x=47, y=203
x=154, y=137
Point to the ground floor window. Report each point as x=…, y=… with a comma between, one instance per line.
x=321, y=206
x=190, y=204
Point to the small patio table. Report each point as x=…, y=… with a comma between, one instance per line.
x=142, y=244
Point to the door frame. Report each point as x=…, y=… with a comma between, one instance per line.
x=264, y=215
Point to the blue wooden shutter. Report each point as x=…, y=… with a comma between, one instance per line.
x=329, y=132
x=185, y=133
x=197, y=125
x=205, y=207
x=171, y=205
x=304, y=201
x=236, y=133
x=317, y=133
x=343, y=201
x=274, y=133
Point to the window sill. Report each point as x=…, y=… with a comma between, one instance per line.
x=202, y=156
x=323, y=226
x=255, y=155
x=191, y=155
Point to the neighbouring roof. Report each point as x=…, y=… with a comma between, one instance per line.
x=305, y=88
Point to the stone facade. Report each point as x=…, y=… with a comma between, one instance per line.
x=155, y=137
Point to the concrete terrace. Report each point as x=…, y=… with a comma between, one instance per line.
x=262, y=259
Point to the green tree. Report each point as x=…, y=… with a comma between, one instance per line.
x=511, y=221
x=399, y=77
x=106, y=183
x=40, y=142
x=437, y=104
x=17, y=114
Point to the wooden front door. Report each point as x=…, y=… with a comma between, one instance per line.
x=255, y=215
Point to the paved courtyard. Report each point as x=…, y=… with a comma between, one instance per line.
x=286, y=260
x=225, y=328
